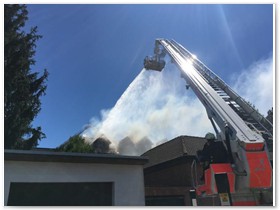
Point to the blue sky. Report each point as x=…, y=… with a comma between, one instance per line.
x=93, y=52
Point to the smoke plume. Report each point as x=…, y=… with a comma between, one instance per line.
x=156, y=106
x=255, y=84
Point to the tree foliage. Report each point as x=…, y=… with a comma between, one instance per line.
x=22, y=87
x=75, y=143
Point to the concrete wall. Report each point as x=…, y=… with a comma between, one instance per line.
x=128, y=179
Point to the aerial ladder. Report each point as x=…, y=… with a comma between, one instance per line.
x=248, y=136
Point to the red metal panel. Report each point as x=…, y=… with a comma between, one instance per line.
x=209, y=178
x=206, y=188
x=225, y=168
x=221, y=168
x=260, y=169
x=254, y=146
x=208, y=181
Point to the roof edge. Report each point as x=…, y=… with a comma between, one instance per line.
x=70, y=157
x=182, y=136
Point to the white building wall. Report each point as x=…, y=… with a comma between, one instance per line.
x=128, y=179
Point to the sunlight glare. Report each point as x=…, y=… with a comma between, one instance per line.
x=194, y=56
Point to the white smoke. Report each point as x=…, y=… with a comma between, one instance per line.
x=156, y=105
x=255, y=84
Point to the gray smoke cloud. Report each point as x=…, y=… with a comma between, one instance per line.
x=156, y=106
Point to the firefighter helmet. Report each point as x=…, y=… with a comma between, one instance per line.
x=210, y=136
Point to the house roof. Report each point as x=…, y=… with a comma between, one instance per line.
x=51, y=156
x=175, y=148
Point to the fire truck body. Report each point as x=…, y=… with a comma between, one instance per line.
x=247, y=178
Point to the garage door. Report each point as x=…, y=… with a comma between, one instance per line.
x=61, y=194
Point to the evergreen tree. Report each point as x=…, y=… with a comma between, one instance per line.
x=22, y=88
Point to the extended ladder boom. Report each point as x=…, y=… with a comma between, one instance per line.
x=246, y=132
x=216, y=107
x=252, y=118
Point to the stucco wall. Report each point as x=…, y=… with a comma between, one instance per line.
x=128, y=179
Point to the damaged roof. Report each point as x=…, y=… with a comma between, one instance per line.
x=177, y=147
